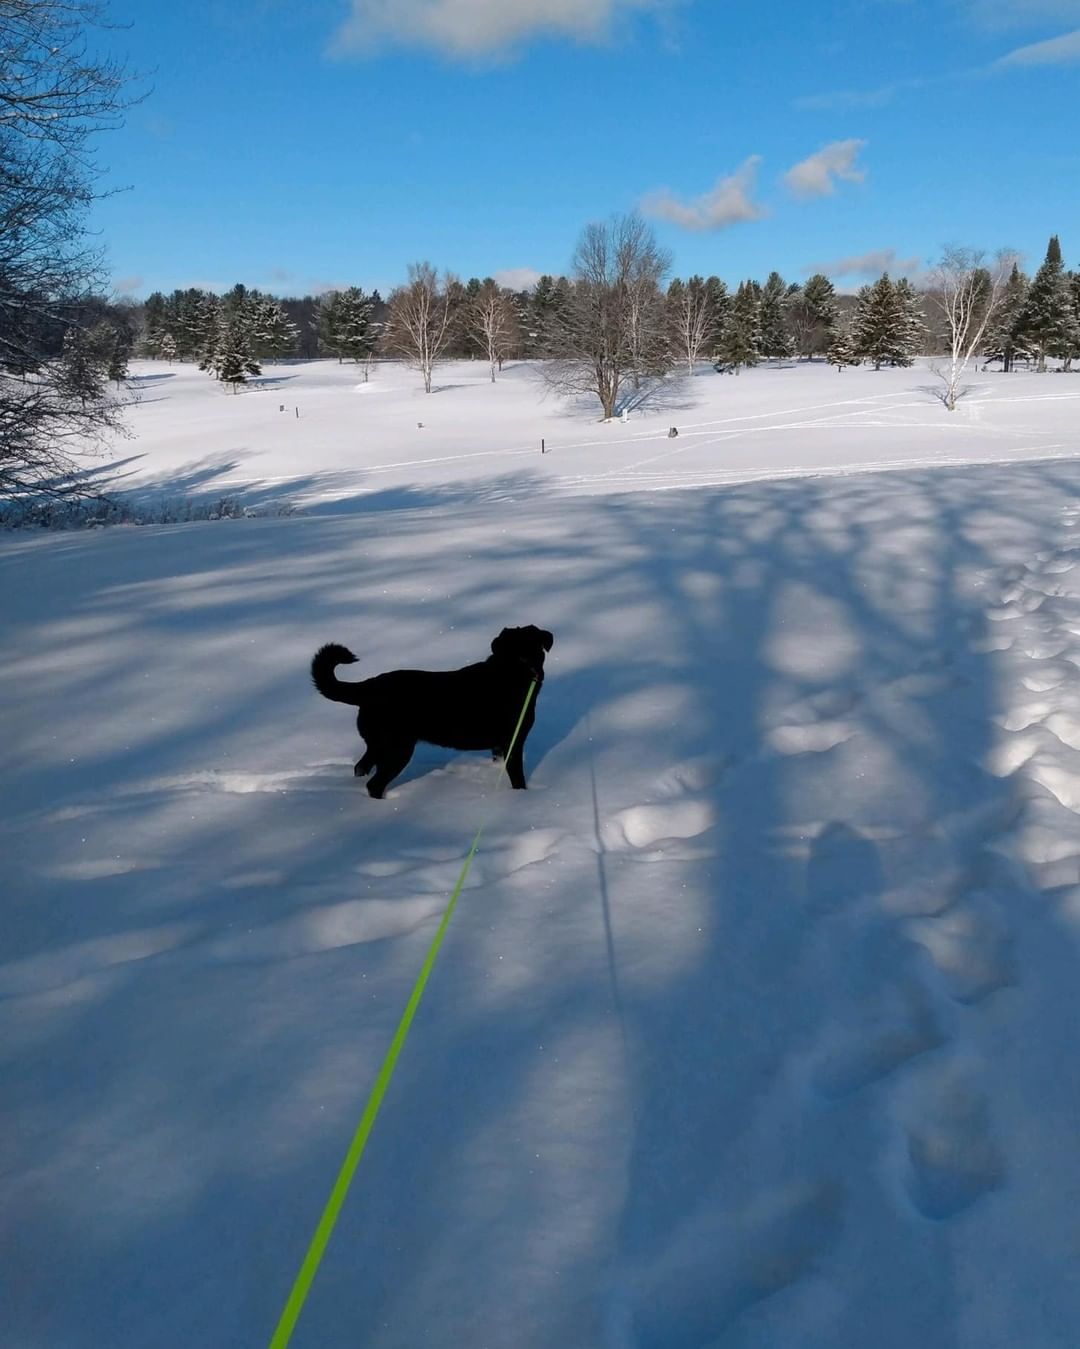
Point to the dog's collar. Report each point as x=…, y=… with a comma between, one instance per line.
x=537, y=675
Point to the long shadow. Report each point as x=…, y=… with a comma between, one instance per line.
x=217, y=1083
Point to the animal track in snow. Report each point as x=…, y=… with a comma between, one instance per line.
x=883, y=1043
x=971, y=947
x=327, y=927
x=815, y=738
x=720, y=1263
x=951, y=1157
x=644, y=826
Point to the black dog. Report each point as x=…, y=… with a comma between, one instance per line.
x=476, y=707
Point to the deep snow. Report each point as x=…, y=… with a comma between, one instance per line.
x=755, y=1026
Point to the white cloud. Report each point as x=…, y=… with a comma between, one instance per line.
x=728, y=203
x=842, y=99
x=816, y=175
x=471, y=28
x=127, y=285
x=1056, y=51
x=870, y=264
x=999, y=14
x=518, y=278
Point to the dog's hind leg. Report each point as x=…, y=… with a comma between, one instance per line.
x=390, y=760
x=364, y=766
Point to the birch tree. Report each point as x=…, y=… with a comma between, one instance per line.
x=420, y=319
x=967, y=293
x=492, y=323
x=692, y=318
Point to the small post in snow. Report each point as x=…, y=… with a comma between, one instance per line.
x=541, y=445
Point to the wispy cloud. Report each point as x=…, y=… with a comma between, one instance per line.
x=729, y=202
x=870, y=264
x=1055, y=51
x=467, y=29
x=128, y=285
x=1001, y=14
x=816, y=176
x=843, y=99
x=518, y=278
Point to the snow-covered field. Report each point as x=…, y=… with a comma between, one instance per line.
x=756, y=1024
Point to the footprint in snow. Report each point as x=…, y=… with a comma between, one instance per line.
x=951, y=1157
x=645, y=826
x=971, y=947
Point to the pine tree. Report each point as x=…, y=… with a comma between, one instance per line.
x=775, y=341
x=209, y=323
x=273, y=333
x=82, y=365
x=813, y=315
x=841, y=350
x=880, y=330
x=231, y=360
x=720, y=301
x=356, y=333
x=1004, y=340
x=740, y=339
x=912, y=324
x=154, y=322
x=328, y=323
x=1048, y=321
x=119, y=352
x=167, y=348
x=1074, y=289
x=189, y=328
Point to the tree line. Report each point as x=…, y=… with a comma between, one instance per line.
x=615, y=324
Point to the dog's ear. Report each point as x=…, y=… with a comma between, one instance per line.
x=547, y=639
x=500, y=643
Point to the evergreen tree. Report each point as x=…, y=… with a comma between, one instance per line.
x=210, y=321
x=719, y=300
x=83, y=365
x=774, y=341
x=813, y=315
x=880, y=331
x=167, y=348
x=1004, y=339
x=1074, y=289
x=740, y=339
x=548, y=308
x=328, y=323
x=231, y=360
x=118, y=355
x=273, y=333
x=189, y=327
x=912, y=324
x=356, y=333
x=841, y=350
x=153, y=322
x=1048, y=322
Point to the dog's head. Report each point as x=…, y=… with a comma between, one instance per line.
x=526, y=645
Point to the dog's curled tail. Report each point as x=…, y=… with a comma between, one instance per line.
x=323, y=664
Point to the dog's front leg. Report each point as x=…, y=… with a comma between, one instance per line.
x=515, y=767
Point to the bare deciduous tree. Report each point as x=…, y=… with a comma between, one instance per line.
x=54, y=96
x=492, y=323
x=612, y=326
x=420, y=318
x=692, y=318
x=967, y=294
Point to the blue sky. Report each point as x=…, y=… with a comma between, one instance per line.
x=295, y=147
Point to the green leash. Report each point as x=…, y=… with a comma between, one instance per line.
x=320, y=1240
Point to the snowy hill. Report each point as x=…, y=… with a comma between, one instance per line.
x=755, y=1026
